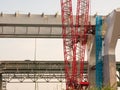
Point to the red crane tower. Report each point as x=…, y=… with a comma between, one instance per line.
x=69, y=46
x=82, y=26
x=74, y=40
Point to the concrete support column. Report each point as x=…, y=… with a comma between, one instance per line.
x=91, y=63
x=109, y=71
x=109, y=62
x=92, y=76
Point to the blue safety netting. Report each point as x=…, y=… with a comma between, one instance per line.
x=99, y=60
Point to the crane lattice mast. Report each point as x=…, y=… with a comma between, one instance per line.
x=74, y=40
x=82, y=26
x=68, y=33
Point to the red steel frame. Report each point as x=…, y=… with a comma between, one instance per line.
x=74, y=40
x=82, y=24
x=69, y=46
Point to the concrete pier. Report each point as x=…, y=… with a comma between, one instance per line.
x=110, y=40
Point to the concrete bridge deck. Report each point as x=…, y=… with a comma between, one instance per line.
x=32, y=26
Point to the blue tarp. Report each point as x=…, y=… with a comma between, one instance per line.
x=99, y=60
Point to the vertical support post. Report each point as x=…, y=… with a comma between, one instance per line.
x=92, y=66
x=109, y=61
x=110, y=71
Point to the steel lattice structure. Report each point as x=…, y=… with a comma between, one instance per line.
x=74, y=40
x=68, y=41
x=82, y=27
x=35, y=71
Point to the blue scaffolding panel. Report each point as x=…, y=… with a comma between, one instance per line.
x=99, y=60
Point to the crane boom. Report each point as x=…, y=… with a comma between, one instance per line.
x=68, y=33
x=82, y=23
x=74, y=40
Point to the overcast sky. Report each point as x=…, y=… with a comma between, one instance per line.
x=24, y=48
x=53, y=6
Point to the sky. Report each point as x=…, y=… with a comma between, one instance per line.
x=25, y=48
x=51, y=7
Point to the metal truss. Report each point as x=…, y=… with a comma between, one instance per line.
x=33, y=71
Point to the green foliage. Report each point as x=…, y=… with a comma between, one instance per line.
x=93, y=88
x=107, y=88
x=104, y=88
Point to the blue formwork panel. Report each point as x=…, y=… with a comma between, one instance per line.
x=99, y=60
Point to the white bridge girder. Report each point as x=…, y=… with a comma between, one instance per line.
x=31, y=26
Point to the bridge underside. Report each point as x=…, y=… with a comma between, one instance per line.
x=48, y=71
